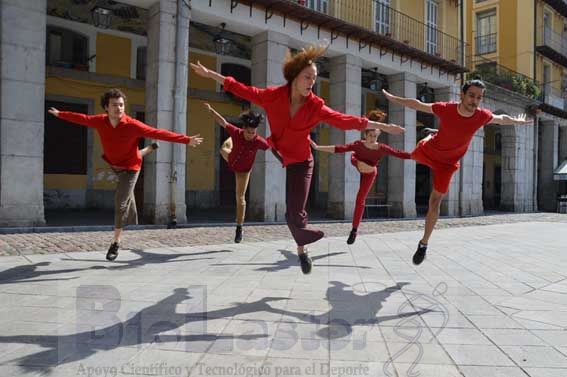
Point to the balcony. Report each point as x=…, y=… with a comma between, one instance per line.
x=559, y=5
x=485, y=44
x=552, y=45
x=396, y=31
x=553, y=97
x=503, y=77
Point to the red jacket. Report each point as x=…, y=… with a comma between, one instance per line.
x=290, y=136
x=120, y=143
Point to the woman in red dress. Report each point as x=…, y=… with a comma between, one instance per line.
x=293, y=110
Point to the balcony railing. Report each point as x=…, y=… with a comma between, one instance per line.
x=552, y=44
x=485, y=44
x=401, y=27
x=503, y=77
x=553, y=97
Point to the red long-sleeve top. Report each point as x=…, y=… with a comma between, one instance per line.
x=243, y=153
x=371, y=156
x=120, y=143
x=290, y=135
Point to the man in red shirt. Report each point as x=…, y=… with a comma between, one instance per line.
x=239, y=151
x=119, y=135
x=442, y=150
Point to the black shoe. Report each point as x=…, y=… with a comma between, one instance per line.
x=306, y=263
x=419, y=255
x=238, y=234
x=112, y=251
x=155, y=146
x=351, y=237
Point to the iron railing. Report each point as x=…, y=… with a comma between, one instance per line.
x=485, y=44
x=550, y=38
x=496, y=74
x=391, y=23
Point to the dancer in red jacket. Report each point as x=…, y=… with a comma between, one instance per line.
x=293, y=110
x=119, y=135
x=366, y=155
x=442, y=150
x=239, y=152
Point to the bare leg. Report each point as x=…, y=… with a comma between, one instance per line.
x=435, y=200
x=226, y=148
x=117, y=232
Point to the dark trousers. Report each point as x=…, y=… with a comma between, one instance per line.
x=298, y=181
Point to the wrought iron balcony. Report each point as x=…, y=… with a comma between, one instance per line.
x=490, y=71
x=552, y=45
x=395, y=31
x=485, y=44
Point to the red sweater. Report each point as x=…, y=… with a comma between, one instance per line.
x=243, y=151
x=120, y=143
x=371, y=156
x=290, y=135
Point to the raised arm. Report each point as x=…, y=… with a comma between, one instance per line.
x=249, y=93
x=203, y=71
x=322, y=148
x=507, y=120
x=388, y=150
x=77, y=118
x=389, y=128
x=218, y=118
x=409, y=102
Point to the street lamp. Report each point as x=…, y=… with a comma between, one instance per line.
x=102, y=17
x=222, y=43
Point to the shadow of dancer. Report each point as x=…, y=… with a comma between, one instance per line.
x=289, y=262
x=27, y=273
x=143, y=328
x=147, y=258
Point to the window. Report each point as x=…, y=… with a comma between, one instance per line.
x=546, y=80
x=382, y=16
x=486, y=32
x=319, y=5
x=141, y=62
x=431, y=38
x=66, y=48
x=65, y=144
x=240, y=72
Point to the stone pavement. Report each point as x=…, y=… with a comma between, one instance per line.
x=58, y=242
x=488, y=301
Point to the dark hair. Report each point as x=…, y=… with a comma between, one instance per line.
x=111, y=93
x=251, y=119
x=475, y=82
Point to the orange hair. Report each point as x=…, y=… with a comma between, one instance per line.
x=294, y=64
x=376, y=115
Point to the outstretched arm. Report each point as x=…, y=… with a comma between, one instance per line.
x=77, y=118
x=249, y=93
x=218, y=118
x=203, y=71
x=507, y=120
x=393, y=129
x=409, y=102
x=322, y=148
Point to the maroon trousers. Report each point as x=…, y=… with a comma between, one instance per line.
x=298, y=181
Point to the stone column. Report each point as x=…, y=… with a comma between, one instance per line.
x=471, y=177
x=548, y=161
x=345, y=88
x=450, y=204
x=267, y=183
x=22, y=80
x=401, y=173
x=166, y=108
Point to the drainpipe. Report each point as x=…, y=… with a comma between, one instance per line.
x=464, y=57
x=536, y=118
x=177, y=109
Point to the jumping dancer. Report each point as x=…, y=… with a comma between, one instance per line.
x=442, y=150
x=293, y=110
x=119, y=135
x=366, y=155
x=239, y=151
